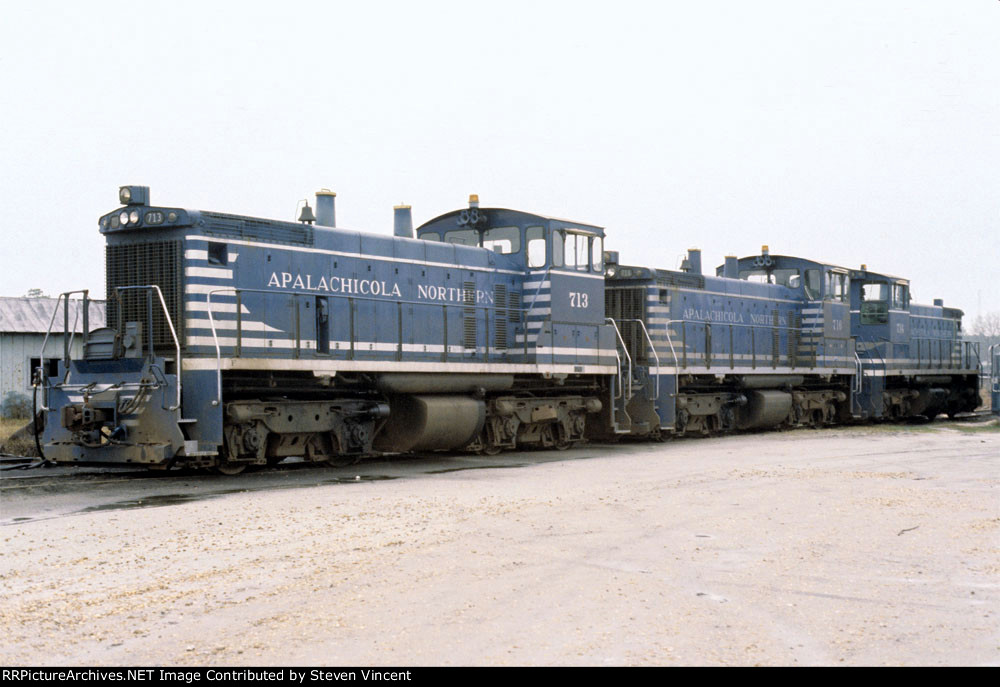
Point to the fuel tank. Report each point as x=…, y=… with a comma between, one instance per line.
x=428, y=423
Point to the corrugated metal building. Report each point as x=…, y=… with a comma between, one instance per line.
x=23, y=323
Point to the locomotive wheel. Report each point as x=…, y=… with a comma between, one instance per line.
x=226, y=466
x=559, y=440
x=340, y=461
x=230, y=468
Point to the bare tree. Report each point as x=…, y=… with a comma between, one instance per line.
x=988, y=327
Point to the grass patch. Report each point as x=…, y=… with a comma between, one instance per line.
x=935, y=426
x=21, y=446
x=991, y=426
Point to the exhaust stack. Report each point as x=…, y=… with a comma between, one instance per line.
x=693, y=261
x=731, y=270
x=402, y=222
x=326, y=214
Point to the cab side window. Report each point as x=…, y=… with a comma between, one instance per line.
x=577, y=251
x=597, y=254
x=837, y=287
x=813, y=283
x=535, y=238
x=900, y=297
x=218, y=254
x=874, y=303
x=504, y=240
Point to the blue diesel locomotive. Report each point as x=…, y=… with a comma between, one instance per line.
x=233, y=341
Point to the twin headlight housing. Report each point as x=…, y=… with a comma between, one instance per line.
x=127, y=216
x=136, y=198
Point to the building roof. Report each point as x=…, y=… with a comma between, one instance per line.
x=25, y=315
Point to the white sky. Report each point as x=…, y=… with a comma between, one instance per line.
x=849, y=131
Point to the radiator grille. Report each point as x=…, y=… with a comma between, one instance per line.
x=794, y=340
x=500, y=316
x=142, y=264
x=775, y=339
x=469, y=314
x=221, y=224
x=629, y=304
x=515, y=307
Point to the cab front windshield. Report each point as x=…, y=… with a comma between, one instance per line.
x=810, y=280
x=785, y=277
x=504, y=240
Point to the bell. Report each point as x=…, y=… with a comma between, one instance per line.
x=307, y=216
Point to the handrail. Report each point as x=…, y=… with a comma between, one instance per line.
x=215, y=338
x=64, y=299
x=614, y=324
x=237, y=291
x=538, y=289
x=994, y=371
x=170, y=323
x=84, y=306
x=973, y=346
x=881, y=358
x=618, y=367
x=752, y=327
x=871, y=399
x=652, y=348
x=670, y=341
x=856, y=385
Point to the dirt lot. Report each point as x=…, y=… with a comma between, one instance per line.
x=873, y=546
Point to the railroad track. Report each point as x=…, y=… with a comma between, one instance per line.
x=22, y=471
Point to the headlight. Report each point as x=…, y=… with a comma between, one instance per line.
x=611, y=272
x=133, y=217
x=123, y=218
x=125, y=195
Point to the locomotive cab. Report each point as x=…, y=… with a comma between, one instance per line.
x=562, y=262
x=880, y=313
x=912, y=357
x=533, y=242
x=824, y=288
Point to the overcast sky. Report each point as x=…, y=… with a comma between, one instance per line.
x=848, y=131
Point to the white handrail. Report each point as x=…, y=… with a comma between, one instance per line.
x=652, y=348
x=215, y=338
x=173, y=332
x=994, y=372
x=627, y=356
x=64, y=299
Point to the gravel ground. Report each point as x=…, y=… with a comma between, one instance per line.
x=868, y=546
